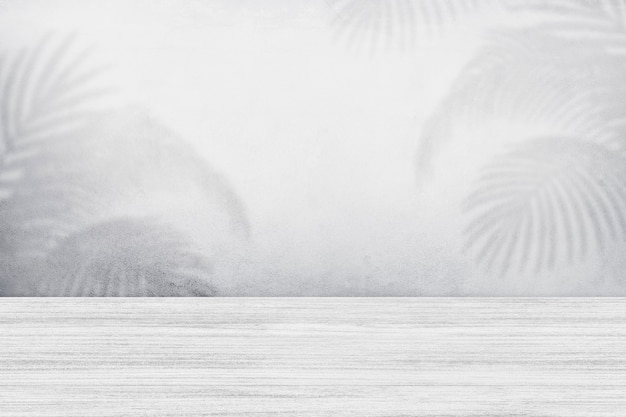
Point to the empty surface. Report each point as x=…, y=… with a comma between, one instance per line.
x=313, y=357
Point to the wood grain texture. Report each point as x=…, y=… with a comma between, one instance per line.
x=313, y=357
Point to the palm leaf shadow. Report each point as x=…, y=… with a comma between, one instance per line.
x=396, y=25
x=558, y=198
x=48, y=94
x=549, y=202
x=52, y=177
x=564, y=71
x=165, y=150
x=127, y=257
x=534, y=79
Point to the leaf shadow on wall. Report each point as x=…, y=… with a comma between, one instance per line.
x=550, y=202
x=97, y=199
x=557, y=199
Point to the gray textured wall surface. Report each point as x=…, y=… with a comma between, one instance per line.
x=365, y=357
x=312, y=148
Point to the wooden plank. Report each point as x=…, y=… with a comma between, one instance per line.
x=313, y=357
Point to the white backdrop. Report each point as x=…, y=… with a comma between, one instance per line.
x=318, y=138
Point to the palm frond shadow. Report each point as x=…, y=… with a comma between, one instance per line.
x=550, y=202
x=49, y=93
x=576, y=17
x=126, y=257
x=146, y=151
x=67, y=161
x=373, y=26
x=533, y=79
x=557, y=199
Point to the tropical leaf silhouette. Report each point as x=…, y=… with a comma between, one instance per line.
x=551, y=201
x=68, y=163
x=126, y=257
x=577, y=18
x=47, y=94
x=375, y=25
x=149, y=156
x=560, y=197
x=533, y=78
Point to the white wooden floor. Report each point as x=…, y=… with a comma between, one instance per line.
x=313, y=357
